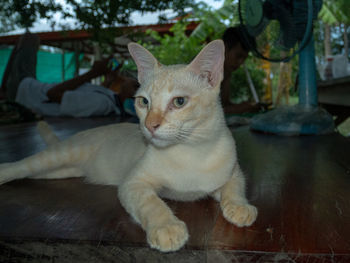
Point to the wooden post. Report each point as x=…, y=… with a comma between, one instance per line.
x=346, y=41
x=327, y=41
x=266, y=66
x=76, y=59
x=97, y=56
x=63, y=65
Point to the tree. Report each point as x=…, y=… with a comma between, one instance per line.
x=179, y=48
x=335, y=13
x=327, y=40
x=90, y=14
x=97, y=14
x=23, y=13
x=214, y=22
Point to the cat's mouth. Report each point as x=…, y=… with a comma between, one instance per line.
x=157, y=137
x=160, y=141
x=153, y=136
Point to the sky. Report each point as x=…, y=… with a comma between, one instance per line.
x=137, y=18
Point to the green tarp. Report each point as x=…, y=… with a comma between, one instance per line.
x=4, y=56
x=49, y=65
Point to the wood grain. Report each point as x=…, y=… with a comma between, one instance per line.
x=301, y=186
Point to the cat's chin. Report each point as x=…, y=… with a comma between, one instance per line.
x=157, y=141
x=160, y=143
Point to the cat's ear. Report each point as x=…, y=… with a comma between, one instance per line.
x=144, y=60
x=209, y=63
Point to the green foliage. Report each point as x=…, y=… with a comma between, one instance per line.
x=337, y=39
x=23, y=13
x=240, y=90
x=214, y=22
x=90, y=14
x=96, y=14
x=177, y=48
x=129, y=66
x=334, y=12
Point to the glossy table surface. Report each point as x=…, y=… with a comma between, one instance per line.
x=300, y=185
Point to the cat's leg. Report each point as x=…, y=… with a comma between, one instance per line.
x=164, y=231
x=234, y=205
x=43, y=162
x=66, y=172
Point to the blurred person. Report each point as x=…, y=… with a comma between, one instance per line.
x=236, y=52
x=76, y=97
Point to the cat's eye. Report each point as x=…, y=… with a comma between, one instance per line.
x=179, y=102
x=142, y=102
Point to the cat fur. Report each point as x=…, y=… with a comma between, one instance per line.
x=181, y=153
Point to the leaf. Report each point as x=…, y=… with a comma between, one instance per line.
x=335, y=12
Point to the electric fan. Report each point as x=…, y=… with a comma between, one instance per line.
x=285, y=28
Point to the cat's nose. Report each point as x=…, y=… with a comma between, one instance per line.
x=153, y=121
x=152, y=127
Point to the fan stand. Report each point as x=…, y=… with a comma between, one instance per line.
x=305, y=118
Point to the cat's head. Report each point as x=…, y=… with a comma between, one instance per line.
x=174, y=102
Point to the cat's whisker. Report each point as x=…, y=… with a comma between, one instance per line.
x=183, y=135
x=192, y=137
x=196, y=135
x=212, y=128
x=194, y=131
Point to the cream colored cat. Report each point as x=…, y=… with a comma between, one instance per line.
x=181, y=150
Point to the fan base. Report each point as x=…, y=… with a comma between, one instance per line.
x=294, y=120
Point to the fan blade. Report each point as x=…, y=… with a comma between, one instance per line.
x=281, y=10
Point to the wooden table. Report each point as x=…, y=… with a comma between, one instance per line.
x=301, y=186
x=334, y=96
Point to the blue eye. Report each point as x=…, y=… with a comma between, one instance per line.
x=142, y=102
x=179, y=102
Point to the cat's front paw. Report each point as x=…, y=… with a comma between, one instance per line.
x=239, y=214
x=169, y=237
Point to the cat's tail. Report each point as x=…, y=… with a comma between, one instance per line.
x=47, y=133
